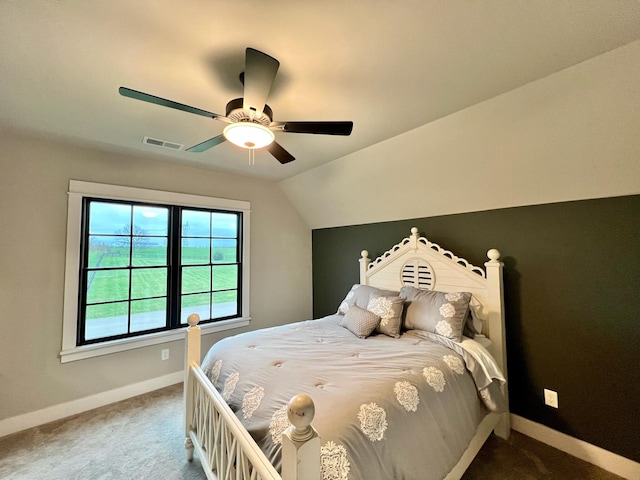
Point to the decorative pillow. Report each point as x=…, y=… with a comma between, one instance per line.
x=360, y=322
x=468, y=330
x=389, y=309
x=473, y=322
x=475, y=307
x=360, y=294
x=436, y=312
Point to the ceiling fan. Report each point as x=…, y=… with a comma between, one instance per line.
x=249, y=119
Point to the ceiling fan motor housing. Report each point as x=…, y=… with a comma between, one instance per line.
x=236, y=113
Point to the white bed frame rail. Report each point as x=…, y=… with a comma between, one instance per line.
x=224, y=447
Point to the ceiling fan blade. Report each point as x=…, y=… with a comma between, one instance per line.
x=145, y=97
x=320, y=128
x=280, y=153
x=207, y=144
x=259, y=73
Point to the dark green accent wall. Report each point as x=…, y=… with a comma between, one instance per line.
x=572, y=301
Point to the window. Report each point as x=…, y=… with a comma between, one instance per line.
x=140, y=261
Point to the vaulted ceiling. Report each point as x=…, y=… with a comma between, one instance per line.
x=388, y=65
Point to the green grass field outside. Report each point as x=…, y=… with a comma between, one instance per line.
x=151, y=281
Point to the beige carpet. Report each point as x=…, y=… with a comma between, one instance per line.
x=139, y=438
x=142, y=438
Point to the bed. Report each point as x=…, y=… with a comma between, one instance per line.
x=390, y=386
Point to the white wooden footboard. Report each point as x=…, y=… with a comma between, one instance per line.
x=225, y=449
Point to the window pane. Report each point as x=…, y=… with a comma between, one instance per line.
x=148, y=282
x=225, y=277
x=196, y=279
x=199, y=304
x=196, y=223
x=149, y=251
x=224, y=304
x=150, y=220
x=106, y=320
x=224, y=250
x=109, y=218
x=225, y=225
x=195, y=251
x=148, y=314
x=108, y=252
x=135, y=253
x=107, y=285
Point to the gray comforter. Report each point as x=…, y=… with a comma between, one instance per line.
x=386, y=408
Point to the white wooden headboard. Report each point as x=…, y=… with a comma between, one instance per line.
x=417, y=262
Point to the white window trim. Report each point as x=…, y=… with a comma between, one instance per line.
x=77, y=191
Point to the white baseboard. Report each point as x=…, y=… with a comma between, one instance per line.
x=56, y=412
x=600, y=457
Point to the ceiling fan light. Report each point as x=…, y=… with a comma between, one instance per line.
x=248, y=134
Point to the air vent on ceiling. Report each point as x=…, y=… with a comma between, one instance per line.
x=162, y=143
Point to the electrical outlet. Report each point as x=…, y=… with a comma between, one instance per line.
x=165, y=354
x=551, y=398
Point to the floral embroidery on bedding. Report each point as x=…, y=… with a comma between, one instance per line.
x=215, y=371
x=444, y=328
x=279, y=423
x=344, y=306
x=334, y=464
x=230, y=385
x=251, y=401
x=447, y=310
x=435, y=378
x=453, y=296
x=373, y=421
x=407, y=395
x=383, y=307
x=454, y=363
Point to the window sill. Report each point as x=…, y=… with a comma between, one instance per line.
x=115, y=346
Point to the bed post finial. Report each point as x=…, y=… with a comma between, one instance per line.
x=193, y=319
x=414, y=231
x=493, y=255
x=301, y=411
x=300, y=442
x=364, y=266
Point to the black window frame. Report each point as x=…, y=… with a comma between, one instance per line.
x=174, y=268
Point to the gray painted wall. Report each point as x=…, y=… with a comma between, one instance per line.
x=571, y=276
x=34, y=179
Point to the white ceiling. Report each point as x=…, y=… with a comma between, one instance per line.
x=387, y=65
